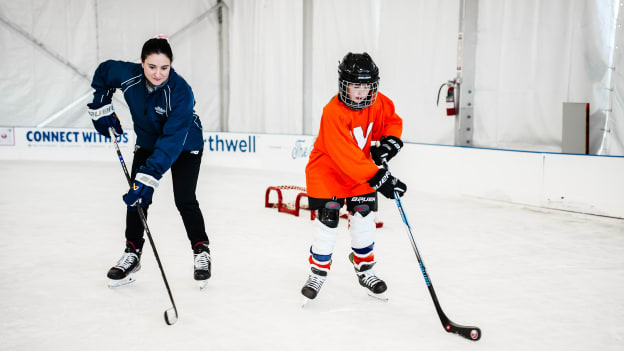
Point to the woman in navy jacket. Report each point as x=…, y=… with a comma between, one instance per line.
x=168, y=135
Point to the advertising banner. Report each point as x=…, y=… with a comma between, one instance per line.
x=258, y=151
x=243, y=150
x=63, y=144
x=6, y=136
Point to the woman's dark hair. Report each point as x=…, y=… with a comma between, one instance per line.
x=156, y=46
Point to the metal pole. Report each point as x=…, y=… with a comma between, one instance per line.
x=603, y=149
x=224, y=66
x=307, y=66
x=466, y=56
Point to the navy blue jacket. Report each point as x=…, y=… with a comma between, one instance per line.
x=164, y=120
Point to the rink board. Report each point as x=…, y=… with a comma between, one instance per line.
x=580, y=183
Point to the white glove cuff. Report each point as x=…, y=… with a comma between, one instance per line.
x=147, y=180
x=98, y=113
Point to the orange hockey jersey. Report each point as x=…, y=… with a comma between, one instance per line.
x=340, y=162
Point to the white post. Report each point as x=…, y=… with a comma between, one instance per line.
x=466, y=58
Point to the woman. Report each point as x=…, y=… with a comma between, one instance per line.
x=168, y=135
x=343, y=169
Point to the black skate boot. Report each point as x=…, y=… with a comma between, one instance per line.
x=313, y=285
x=122, y=273
x=202, y=264
x=367, y=278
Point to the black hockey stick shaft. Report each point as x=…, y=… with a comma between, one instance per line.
x=168, y=319
x=468, y=332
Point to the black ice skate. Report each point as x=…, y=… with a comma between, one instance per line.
x=367, y=278
x=202, y=264
x=123, y=272
x=313, y=285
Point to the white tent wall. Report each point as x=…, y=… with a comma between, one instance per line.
x=266, y=66
x=34, y=83
x=531, y=57
x=195, y=50
x=37, y=84
x=413, y=43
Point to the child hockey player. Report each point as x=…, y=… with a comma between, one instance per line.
x=342, y=168
x=169, y=135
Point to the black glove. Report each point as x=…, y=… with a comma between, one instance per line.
x=386, y=184
x=387, y=149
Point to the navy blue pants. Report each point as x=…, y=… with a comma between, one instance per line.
x=184, y=173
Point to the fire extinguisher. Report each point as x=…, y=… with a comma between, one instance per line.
x=450, y=97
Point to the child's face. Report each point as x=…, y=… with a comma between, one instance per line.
x=358, y=92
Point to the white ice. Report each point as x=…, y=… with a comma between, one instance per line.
x=530, y=278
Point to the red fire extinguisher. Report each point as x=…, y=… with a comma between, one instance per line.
x=450, y=97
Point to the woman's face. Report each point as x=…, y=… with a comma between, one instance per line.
x=358, y=92
x=156, y=68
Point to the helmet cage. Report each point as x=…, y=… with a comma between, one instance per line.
x=371, y=97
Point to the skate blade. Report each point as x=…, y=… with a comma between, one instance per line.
x=304, y=302
x=382, y=296
x=121, y=282
x=202, y=284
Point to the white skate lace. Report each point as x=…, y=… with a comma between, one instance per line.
x=315, y=281
x=202, y=261
x=369, y=278
x=126, y=261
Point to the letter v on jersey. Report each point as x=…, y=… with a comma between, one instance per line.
x=358, y=134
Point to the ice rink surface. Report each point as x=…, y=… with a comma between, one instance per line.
x=530, y=278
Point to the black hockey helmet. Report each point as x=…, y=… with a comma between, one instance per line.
x=360, y=72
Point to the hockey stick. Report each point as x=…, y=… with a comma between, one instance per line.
x=169, y=317
x=468, y=332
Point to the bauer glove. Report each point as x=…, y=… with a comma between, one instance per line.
x=387, y=149
x=141, y=190
x=104, y=118
x=386, y=184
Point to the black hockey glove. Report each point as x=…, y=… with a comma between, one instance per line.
x=386, y=184
x=387, y=149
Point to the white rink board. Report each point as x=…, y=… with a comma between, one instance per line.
x=580, y=183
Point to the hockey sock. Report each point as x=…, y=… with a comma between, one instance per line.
x=321, y=262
